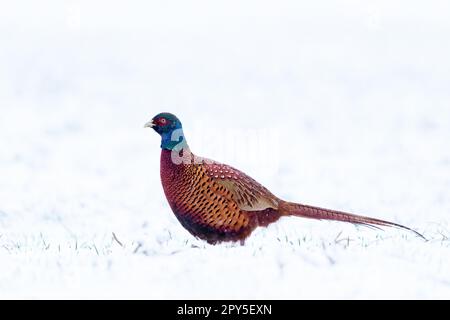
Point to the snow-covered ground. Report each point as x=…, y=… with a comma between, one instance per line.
x=339, y=104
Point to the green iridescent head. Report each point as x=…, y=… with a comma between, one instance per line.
x=169, y=127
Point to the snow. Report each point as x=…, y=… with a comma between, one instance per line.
x=337, y=104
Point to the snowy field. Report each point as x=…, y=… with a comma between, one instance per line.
x=342, y=104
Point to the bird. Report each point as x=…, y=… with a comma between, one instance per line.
x=218, y=203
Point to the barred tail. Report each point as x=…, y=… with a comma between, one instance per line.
x=305, y=211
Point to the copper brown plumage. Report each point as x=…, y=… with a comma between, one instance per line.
x=216, y=202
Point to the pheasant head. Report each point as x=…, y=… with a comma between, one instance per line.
x=169, y=127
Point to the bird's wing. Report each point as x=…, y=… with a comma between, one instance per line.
x=249, y=194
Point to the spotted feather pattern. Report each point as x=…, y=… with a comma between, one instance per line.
x=206, y=208
x=216, y=202
x=249, y=194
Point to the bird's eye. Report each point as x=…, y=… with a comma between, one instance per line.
x=163, y=121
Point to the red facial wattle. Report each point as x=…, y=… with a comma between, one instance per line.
x=161, y=122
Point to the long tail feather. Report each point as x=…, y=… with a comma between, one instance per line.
x=305, y=211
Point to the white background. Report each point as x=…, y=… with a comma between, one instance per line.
x=340, y=104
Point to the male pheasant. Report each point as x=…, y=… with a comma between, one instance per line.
x=216, y=202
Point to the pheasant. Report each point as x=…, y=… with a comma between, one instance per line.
x=216, y=202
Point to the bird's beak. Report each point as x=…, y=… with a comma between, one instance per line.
x=149, y=124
